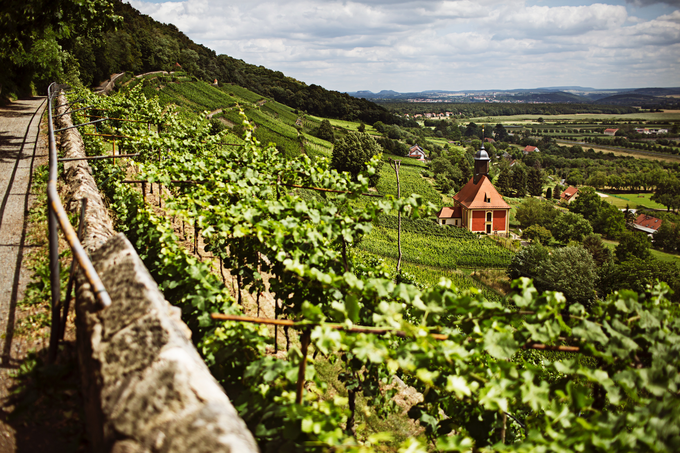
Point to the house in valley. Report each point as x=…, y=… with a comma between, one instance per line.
x=647, y=224
x=478, y=207
x=569, y=194
x=417, y=152
x=611, y=132
x=531, y=149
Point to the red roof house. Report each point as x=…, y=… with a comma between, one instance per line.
x=417, y=153
x=647, y=223
x=531, y=149
x=611, y=132
x=569, y=195
x=478, y=206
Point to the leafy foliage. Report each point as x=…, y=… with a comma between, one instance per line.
x=485, y=386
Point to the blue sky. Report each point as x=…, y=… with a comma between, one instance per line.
x=411, y=45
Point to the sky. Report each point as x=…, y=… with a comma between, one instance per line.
x=411, y=46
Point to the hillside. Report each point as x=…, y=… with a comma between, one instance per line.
x=131, y=41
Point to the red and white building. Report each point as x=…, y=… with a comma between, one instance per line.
x=569, y=194
x=417, y=152
x=647, y=224
x=531, y=149
x=479, y=207
x=611, y=132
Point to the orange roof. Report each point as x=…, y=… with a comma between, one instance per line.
x=530, y=149
x=482, y=195
x=570, y=192
x=648, y=221
x=450, y=213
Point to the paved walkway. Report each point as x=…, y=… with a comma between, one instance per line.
x=19, y=125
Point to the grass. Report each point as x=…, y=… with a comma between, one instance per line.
x=659, y=255
x=633, y=201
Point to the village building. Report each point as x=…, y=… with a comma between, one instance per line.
x=531, y=149
x=611, y=132
x=647, y=224
x=417, y=152
x=479, y=207
x=569, y=195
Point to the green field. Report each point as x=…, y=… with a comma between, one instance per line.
x=661, y=256
x=633, y=201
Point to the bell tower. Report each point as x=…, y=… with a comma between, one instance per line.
x=481, y=164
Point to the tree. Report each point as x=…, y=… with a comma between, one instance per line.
x=362, y=127
x=504, y=182
x=527, y=261
x=353, y=152
x=472, y=130
x=572, y=271
x=535, y=212
x=557, y=191
x=519, y=180
x=537, y=233
x=535, y=179
x=668, y=193
x=638, y=274
x=500, y=134
x=667, y=238
x=548, y=193
x=587, y=203
x=597, y=180
x=632, y=244
x=325, y=131
x=598, y=249
x=569, y=226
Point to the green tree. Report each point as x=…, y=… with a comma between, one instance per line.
x=504, y=182
x=500, y=134
x=667, y=238
x=632, y=244
x=527, y=261
x=519, y=180
x=535, y=212
x=598, y=249
x=353, y=152
x=569, y=226
x=535, y=179
x=571, y=270
x=537, y=233
x=325, y=131
x=557, y=191
x=639, y=274
x=667, y=193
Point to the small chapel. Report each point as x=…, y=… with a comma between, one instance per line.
x=478, y=207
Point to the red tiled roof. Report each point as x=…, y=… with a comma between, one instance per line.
x=648, y=221
x=450, y=213
x=482, y=195
x=570, y=192
x=530, y=149
x=610, y=130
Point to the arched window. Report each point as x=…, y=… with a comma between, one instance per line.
x=488, y=217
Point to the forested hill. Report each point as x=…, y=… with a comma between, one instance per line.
x=137, y=43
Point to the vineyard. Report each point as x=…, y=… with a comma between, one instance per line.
x=530, y=374
x=449, y=252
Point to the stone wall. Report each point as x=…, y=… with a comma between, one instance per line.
x=145, y=387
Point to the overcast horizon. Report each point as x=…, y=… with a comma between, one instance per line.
x=413, y=46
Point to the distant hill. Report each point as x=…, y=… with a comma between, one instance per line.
x=658, y=97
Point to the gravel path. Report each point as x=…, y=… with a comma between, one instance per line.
x=19, y=155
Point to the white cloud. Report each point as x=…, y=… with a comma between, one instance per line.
x=418, y=45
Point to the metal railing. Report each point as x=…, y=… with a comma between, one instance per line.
x=57, y=216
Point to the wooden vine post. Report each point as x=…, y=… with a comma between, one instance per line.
x=397, y=164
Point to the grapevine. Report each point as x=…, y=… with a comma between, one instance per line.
x=484, y=387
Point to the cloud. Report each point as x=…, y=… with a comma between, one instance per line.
x=444, y=44
x=674, y=3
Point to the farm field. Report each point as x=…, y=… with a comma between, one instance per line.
x=633, y=201
x=411, y=182
x=624, y=151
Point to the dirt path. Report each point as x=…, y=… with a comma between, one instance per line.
x=19, y=156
